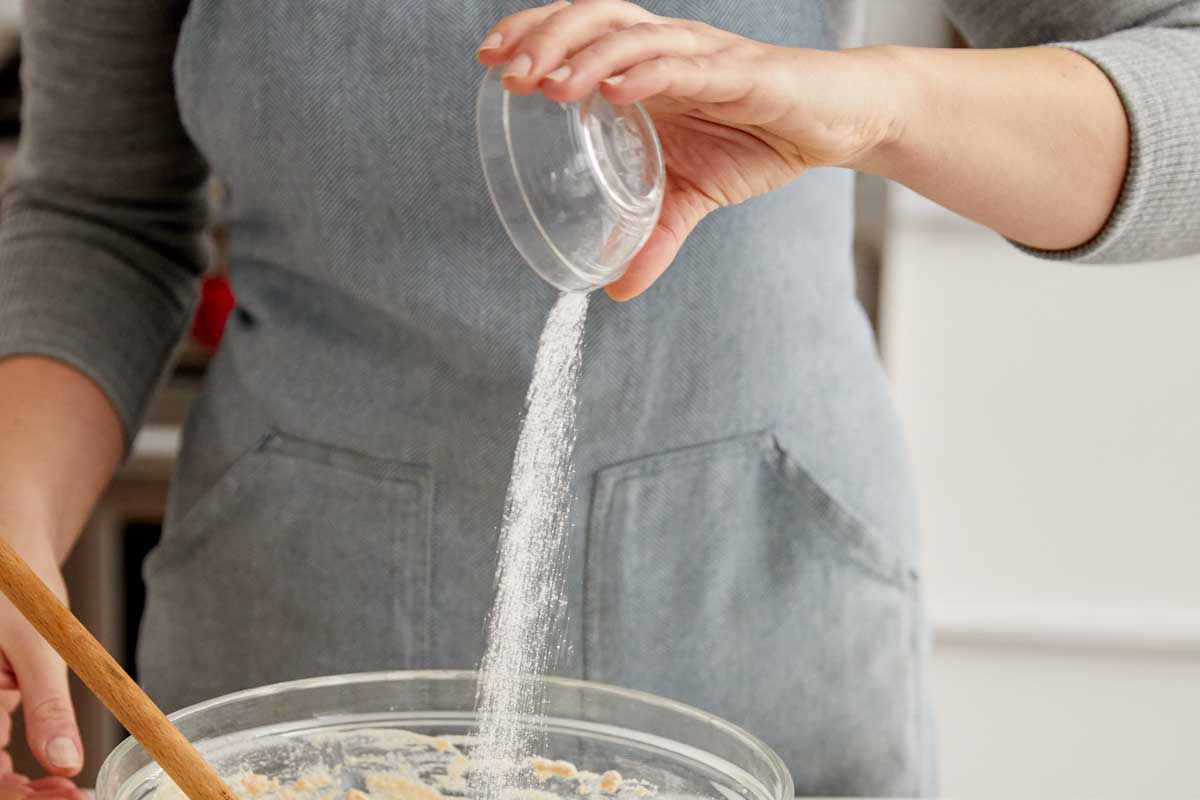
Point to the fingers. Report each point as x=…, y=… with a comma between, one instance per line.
x=48, y=789
x=5, y=728
x=543, y=48
x=566, y=50
x=18, y=787
x=616, y=52
x=498, y=44
x=10, y=698
x=52, y=783
x=683, y=208
x=677, y=77
x=50, y=723
x=58, y=794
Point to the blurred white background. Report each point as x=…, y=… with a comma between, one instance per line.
x=1052, y=415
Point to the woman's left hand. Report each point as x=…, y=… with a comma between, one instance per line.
x=737, y=118
x=17, y=787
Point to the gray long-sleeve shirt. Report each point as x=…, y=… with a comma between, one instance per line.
x=744, y=536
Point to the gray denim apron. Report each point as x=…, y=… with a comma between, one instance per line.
x=744, y=535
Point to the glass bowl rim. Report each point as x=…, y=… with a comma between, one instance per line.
x=780, y=770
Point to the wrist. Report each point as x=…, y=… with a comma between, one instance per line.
x=32, y=530
x=883, y=76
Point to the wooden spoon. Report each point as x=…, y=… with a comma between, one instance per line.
x=104, y=676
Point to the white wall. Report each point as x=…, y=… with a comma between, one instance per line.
x=1053, y=413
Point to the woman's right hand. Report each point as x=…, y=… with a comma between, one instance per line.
x=736, y=117
x=33, y=677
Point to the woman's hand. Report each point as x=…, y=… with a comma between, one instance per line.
x=18, y=787
x=60, y=442
x=737, y=118
x=33, y=676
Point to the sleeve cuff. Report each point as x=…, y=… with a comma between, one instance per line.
x=1156, y=72
x=85, y=307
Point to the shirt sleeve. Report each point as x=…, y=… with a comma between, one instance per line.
x=101, y=242
x=1150, y=50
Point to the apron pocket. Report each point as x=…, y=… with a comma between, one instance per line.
x=724, y=576
x=302, y=559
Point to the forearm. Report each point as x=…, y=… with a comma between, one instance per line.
x=60, y=442
x=1031, y=142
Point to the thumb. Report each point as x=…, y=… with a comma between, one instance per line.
x=683, y=208
x=50, y=725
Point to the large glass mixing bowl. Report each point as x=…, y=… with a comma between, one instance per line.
x=681, y=750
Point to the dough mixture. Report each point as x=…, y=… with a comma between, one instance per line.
x=401, y=765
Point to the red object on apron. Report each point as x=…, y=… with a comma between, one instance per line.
x=216, y=303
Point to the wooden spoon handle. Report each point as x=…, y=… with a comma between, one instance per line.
x=104, y=676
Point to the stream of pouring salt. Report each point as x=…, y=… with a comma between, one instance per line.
x=522, y=636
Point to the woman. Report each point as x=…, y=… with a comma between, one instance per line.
x=744, y=534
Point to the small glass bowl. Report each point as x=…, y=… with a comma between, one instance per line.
x=578, y=186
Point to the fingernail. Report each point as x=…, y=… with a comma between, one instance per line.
x=560, y=74
x=63, y=753
x=615, y=80
x=519, y=67
x=492, y=41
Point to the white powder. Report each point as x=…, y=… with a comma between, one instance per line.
x=524, y=621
